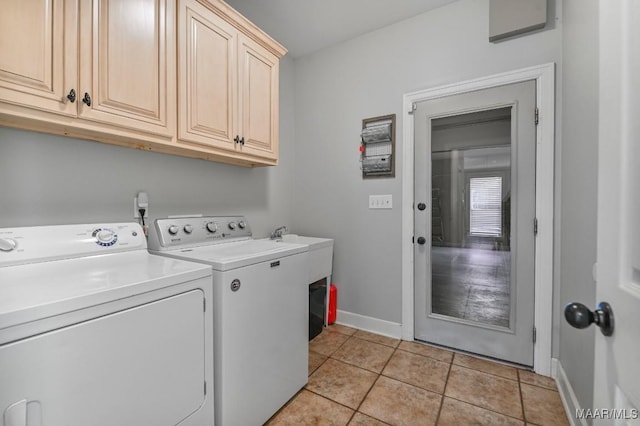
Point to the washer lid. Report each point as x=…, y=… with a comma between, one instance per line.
x=38, y=290
x=226, y=256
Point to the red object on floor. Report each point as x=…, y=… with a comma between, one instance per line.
x=333, y=304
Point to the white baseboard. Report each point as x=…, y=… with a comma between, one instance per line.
x=568, y=396
x=374, y=325
x=554, y=367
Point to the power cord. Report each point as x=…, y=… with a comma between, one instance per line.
x=142, y=202
x=144, y=227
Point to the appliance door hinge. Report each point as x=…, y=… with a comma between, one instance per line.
x=414, y=107
x=535, y=226
x=537, y=116
x=535, y=335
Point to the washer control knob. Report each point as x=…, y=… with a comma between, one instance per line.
x=8, y=244
x=232, y=225
x=242, y=224
x=212, y=227
x=188, y=229
x=173, y=230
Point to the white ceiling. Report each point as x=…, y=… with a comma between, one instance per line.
x=304, y=26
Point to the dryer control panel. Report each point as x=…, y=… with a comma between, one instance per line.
x=44, y=243
x=196, y=231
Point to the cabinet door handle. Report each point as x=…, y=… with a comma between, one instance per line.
x=87, y=99
x=72, y=96
x=236, y=139
x=242, y=141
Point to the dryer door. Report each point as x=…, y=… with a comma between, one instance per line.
x=139, y=366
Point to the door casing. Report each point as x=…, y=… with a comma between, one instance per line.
x=544, y=75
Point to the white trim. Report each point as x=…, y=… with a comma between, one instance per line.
x=374, y=325
x=568, y=396
x=545, y=141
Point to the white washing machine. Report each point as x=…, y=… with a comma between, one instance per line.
x=260, y=309
x=96, y=331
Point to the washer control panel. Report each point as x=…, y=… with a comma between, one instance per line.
x=197, y=230
x=43, y=243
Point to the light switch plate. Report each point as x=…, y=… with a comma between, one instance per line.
x=380, y=201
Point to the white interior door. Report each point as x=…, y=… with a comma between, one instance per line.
x=617, y=368
x=474, y=221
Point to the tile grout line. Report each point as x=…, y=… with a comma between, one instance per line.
x=488, y=374
x=373, y=384
x=397, y=348
x=488, y=409
x=379, y=374
x=355, y=411
x=337, y=360
x=329, y=399
x=444, y=391
x=524, y=416
x=335, y=402
x=281, y=409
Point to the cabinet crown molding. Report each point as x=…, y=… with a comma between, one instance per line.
x=245, y=26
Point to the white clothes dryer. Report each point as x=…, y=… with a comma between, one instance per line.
x=96, y=331
x=260, y=308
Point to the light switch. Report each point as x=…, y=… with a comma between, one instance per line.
x=380, y=201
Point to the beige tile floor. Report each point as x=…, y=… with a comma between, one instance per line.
x=360, y=378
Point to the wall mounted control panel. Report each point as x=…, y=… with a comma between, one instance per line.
x=195, y=231
x=378, y=146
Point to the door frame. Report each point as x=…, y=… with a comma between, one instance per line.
x=544, y=75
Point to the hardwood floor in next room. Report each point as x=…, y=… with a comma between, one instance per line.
x=361, y=378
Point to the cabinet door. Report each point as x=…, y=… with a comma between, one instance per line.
x=38, y=54
x=258, y=96
x=127, y=63
x=206, y=77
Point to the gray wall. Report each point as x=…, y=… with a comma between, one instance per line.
x=56, y=180
x=579, y=165
x=339, y=86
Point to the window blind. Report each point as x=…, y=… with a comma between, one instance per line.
x=486, y=206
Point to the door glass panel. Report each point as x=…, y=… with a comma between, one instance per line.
x=471, y=217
